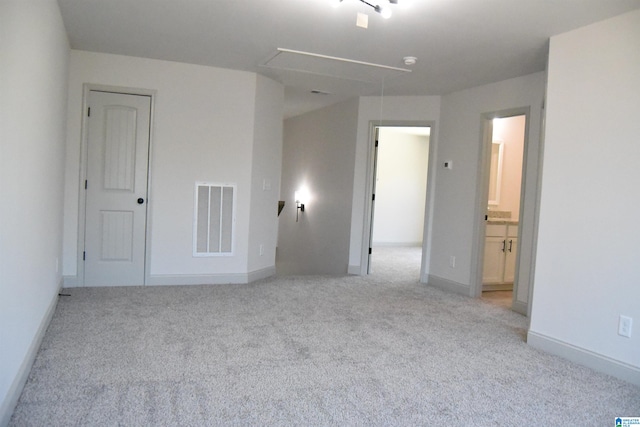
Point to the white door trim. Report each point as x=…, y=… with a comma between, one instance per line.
x=82, y=199
x=482, y=192
x=428, y=211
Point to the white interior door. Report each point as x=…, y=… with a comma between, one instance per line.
x=373, y=198
x=116, y=189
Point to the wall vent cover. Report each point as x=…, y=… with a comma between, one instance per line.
x=214, y=219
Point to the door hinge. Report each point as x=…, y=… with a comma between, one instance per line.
x=86, y=184
x=89, y=112
x=369, y=251
x=373, y=197
x=376, y=143
x=84, y=256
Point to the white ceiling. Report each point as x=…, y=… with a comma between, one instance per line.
x=459, y=43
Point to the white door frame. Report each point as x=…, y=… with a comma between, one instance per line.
x=368, y=204
x=482, y=194
x=82, y=197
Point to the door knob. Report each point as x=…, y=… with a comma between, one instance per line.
x=140, y=201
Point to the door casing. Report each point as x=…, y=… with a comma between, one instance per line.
x=482, y=192
x=368, y=205
x=82, y=199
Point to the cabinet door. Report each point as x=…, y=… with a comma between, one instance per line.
x=510, y=259
x=493, y=260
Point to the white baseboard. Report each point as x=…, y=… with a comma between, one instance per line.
x=261, y=274
x=209, y=279
x=194, y=279
x=585, y=357
x=449, y=285
x=11, y=399
x=520, y=307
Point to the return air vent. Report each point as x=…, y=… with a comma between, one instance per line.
x=214, y=222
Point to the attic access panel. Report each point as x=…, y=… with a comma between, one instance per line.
x=332, y=66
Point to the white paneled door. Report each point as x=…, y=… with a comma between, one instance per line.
x=116, y=188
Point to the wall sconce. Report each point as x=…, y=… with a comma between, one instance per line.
x=301, y=197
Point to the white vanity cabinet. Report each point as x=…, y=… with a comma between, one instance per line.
x=510, y=254
x=500, y=251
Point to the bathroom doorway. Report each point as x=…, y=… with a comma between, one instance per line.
x=502, y=218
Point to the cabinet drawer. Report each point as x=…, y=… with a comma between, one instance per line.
x=495, y=230
x=512, y=231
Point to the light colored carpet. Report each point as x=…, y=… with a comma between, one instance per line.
x=378, y=350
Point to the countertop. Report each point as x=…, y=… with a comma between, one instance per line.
x=501, y=221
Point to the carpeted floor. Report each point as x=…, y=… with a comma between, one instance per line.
x=376, y=350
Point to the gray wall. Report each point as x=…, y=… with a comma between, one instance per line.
x=456, y=195
x=421, y=110
x=588, y=257
x=319, y=150
x=206, y=127
x=265, y=176
x=35, y=56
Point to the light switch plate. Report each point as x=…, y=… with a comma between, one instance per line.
x=624, y=326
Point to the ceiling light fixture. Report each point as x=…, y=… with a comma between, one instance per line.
x=383, y=11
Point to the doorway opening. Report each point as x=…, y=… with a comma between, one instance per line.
x=398, y=201
x=504, y=143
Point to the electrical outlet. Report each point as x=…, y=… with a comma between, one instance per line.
x=624, y=326
x=452, y=261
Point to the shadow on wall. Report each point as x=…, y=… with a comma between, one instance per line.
x=319, y=155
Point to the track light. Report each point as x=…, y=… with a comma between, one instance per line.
x=385, y=12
